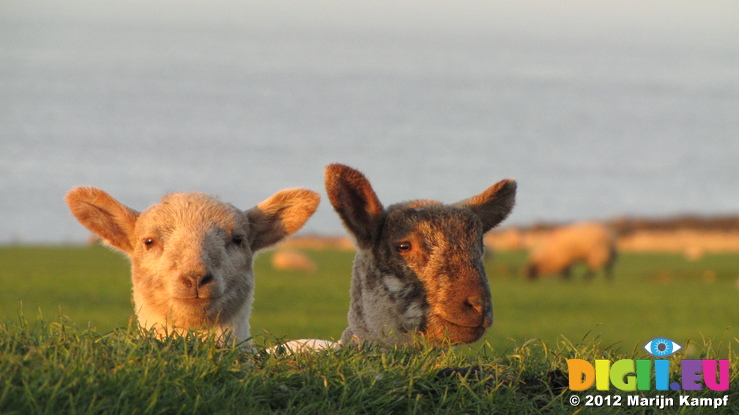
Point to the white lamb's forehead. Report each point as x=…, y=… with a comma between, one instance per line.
x=192, y=210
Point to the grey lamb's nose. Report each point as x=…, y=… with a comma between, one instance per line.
x=477, y=303
x=480, y=306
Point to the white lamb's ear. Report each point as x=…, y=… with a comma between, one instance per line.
x=281, y=215
x=355, y=202
x=494, y=204
x=102, y=214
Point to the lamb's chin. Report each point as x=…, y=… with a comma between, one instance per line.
x=195, y=312
x=442, y=331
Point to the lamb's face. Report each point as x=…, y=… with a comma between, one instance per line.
x=431, y=261
x=191, y=262
x=421, y=259
x=191, y=256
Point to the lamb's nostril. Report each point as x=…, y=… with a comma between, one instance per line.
x=207, y=279
x=191, y=280
x=476, y=303
x=187, y=282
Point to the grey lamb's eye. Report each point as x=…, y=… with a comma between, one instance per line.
x=403, y=247
x=237, y=240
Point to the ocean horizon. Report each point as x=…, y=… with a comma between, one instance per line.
x=624, y=109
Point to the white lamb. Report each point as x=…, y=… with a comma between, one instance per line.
x=191, y=255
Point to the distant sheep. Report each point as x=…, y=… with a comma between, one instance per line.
x=191, y=255
x=292, y=260
x=590, y=243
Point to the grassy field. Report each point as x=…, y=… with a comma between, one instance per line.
x=83, y=355
x=653, y=295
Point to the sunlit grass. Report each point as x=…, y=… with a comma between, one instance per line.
x=652, y=295
x=58, y=367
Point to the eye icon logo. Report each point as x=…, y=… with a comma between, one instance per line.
x=661, y=347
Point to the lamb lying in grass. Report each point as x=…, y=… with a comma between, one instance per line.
x=191, y=255
x=286, y=259
x=590, y=243
x=419, y=264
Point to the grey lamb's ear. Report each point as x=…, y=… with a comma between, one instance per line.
x=494, y=204
x=355, y=202
x=102, y=214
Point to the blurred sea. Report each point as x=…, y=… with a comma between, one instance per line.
x=619, y=108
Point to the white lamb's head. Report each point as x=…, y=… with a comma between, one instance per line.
x=191, y=255
x=419, y=265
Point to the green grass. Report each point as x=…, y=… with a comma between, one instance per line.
x=88, y=284
x=652, y=295
x=56, y=367
x=50, y=365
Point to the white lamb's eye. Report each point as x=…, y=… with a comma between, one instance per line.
x=148, y=242
x=661, y=347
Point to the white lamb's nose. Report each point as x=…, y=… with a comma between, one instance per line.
x=195, y=279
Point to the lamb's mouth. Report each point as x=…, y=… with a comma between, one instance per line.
x=463, y=327
x=197, y=300
x=445, y=330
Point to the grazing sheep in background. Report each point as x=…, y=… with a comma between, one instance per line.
x=191, y=255
x=291, y=260
x=590, y=243
x=419, y=264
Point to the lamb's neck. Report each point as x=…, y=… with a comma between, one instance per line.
x=372, y=314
